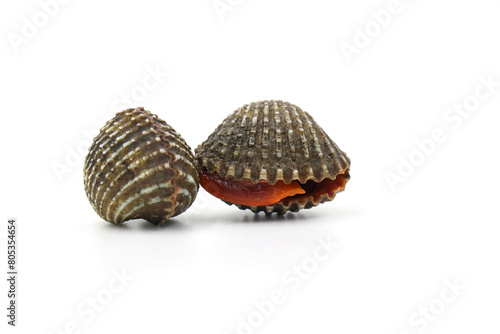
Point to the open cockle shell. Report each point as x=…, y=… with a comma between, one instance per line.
x=140, y=167
x=273, y=141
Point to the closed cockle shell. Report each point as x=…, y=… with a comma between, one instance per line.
x=271, y=156
x=139, y=167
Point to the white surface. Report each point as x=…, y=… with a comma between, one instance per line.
x=208, y=267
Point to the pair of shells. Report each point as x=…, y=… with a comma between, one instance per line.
x=140, y=167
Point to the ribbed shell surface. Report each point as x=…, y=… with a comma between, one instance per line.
x=140, y=167
x=272, y=140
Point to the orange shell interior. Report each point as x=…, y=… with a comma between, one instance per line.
x=260, y=194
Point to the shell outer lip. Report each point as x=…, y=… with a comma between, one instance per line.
x=293, y=206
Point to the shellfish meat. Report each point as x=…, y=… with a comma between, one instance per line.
x=271, y=156
x=140, y=167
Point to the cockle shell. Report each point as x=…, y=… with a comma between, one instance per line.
x=140, y=167
x=272, y=141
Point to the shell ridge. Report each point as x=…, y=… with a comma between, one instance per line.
x=102, y=136
x=94, y=173
x=173, y=158
x=135, y=164
x=110, y=164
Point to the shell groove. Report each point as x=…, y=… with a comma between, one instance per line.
x=272, y=141
x=139, y=167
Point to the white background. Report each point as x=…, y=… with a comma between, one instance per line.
x=207, y=268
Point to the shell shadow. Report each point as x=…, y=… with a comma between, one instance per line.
x=144, y=225
x=304, y=215
x=198, y=221
x=263, y=218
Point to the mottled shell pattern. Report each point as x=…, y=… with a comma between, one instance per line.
x=139, y=167
x=273, y=140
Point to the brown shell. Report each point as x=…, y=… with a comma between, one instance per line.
x=273, y=140
x=139, y=167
